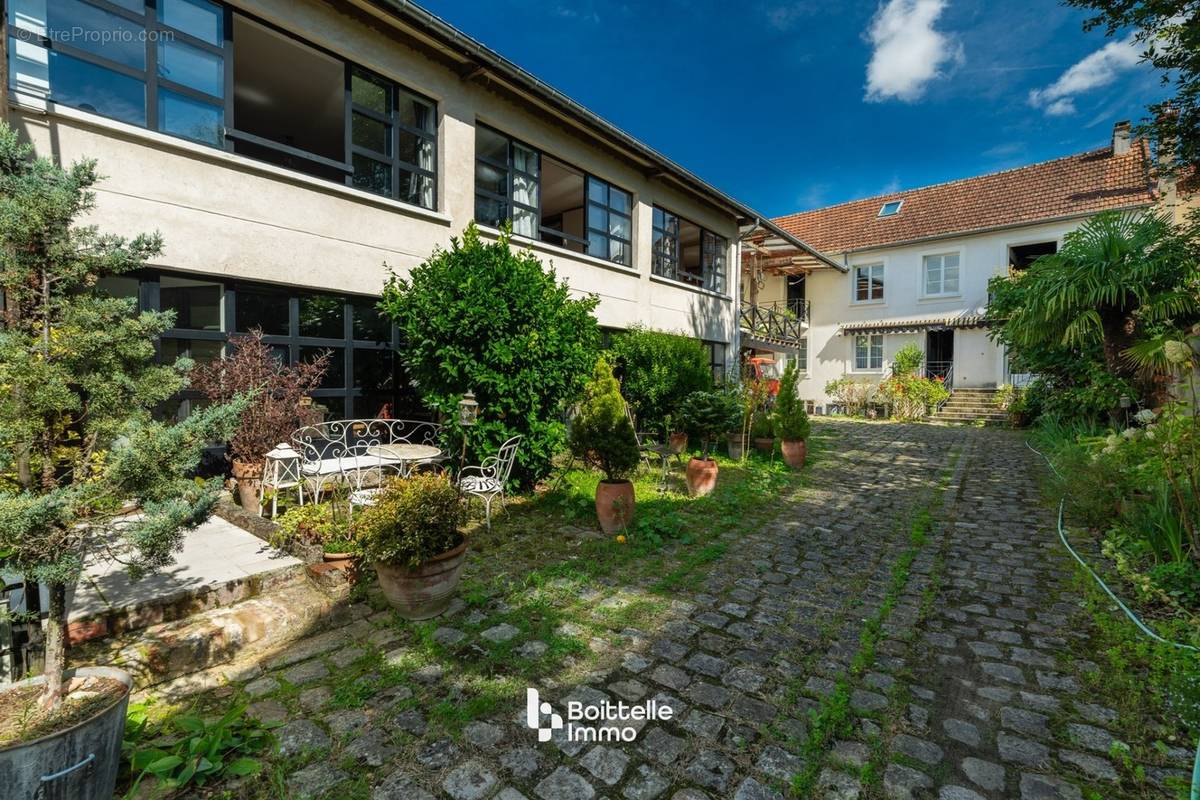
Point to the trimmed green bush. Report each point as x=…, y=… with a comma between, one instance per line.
x=657, y=371
x=791, y=420
x=483, y=317
x=412, y=520
x=602, y=434
x=707, y=415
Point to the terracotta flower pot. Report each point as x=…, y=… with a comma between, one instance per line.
x=795, y=451
x=701, y=476
x=677, y=442
x=736, y=446
x=764, y=445
x=425, y=591
x=249, y=483
x=614, y=505
x=347, y=562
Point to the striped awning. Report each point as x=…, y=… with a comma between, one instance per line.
x=913, y=324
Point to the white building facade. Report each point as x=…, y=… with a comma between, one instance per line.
x=915, y=266
x=290, y=153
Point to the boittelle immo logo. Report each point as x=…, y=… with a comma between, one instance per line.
x=604, y=721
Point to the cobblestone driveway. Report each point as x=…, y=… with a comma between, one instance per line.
x=912, y=596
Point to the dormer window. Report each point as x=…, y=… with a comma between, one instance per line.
x=891, y=208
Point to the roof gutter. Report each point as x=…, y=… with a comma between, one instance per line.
x=491, y=61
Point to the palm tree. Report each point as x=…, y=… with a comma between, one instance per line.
x=1115, y=275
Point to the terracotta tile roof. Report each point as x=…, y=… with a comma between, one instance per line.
x=1078, y=184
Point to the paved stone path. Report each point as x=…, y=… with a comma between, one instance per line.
x=902, y=630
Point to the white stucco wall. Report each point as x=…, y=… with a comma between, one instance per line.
x=223, y=214
x=977, y=361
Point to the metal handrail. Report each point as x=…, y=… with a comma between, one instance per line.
x=947, y=381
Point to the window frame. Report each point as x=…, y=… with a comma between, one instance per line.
x=883, y=208
x=392, y=120
x=870, y=352
x=870, y=265
x=154, y=28
x=509, y=202
x=609, y=209
x=802, y=355
x=715, y=286
x=925, y=258
x=149, y=299
x=716, y=364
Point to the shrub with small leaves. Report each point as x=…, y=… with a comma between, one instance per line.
x=791, y=420
x=602, y=434
x=412, y=520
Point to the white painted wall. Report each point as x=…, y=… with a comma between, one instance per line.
x=224, y=214
x=977, y=361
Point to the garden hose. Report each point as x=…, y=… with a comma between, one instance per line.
x=1195, y=795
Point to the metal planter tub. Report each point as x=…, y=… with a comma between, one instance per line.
x=79, y=763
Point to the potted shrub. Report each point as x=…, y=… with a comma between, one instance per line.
x=677, y=439
x=603, y=436
x=412, y=535
x=707, y=415
x=316, y=532
x=79, y=446
x=278, y=406
x=791, y=420
x=762, y=432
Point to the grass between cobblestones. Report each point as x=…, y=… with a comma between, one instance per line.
x=545, y=571
x=832, y=719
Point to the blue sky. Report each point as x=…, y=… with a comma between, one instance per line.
x=794, y=105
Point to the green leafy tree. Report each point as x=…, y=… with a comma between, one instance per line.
x=657, y=371
x=1169, y=32
x=791, y=420
x=908, y=359
x=707, y=415
x=77, y=384
x=486, y=318
x=1116, y=279
x=602, y=434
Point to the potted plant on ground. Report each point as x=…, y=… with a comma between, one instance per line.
x=278, y=407
x=791, y=420
x=78, y=383
x=603, y=436
x=707, y=415
x=762, y=432
x=412, y=535
x=677, y=439
x=316, y=532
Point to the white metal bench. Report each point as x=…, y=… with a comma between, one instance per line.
x=329, y=450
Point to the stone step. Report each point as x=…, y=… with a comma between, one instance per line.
x=200, y=643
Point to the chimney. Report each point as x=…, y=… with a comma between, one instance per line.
x=1120, y=142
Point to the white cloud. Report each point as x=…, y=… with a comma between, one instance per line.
x=1095, y=70
x=908, y=53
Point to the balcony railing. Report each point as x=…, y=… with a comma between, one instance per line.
x=782, y=321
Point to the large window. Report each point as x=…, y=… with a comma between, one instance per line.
x=868, y=283
x=868, y=352
x=550, y=200
x=683, y=251
x=716, y=359
x=363, y=378
x=941, y=274
x=198, y=70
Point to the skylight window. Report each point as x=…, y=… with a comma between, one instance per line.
x=891, y=208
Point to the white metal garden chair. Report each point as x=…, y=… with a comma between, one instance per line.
x=487, y=480
x=365, y=475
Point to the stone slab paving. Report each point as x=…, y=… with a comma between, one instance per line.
x=946, y=652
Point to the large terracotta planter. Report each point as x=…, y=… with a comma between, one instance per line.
x=425, y=591
x=614, y=505
x=677, y=442
x=701, y=476
x=249, y=483
x=737, y=447
x=79, y=763
x=764, y=444
x=795, y=451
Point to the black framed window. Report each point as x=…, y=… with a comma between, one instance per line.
x=392, y=140
x=171, y=66
x=686, y=252
x=610, y=222
x=364, y=378
x=550, y=200
x=716, y=359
